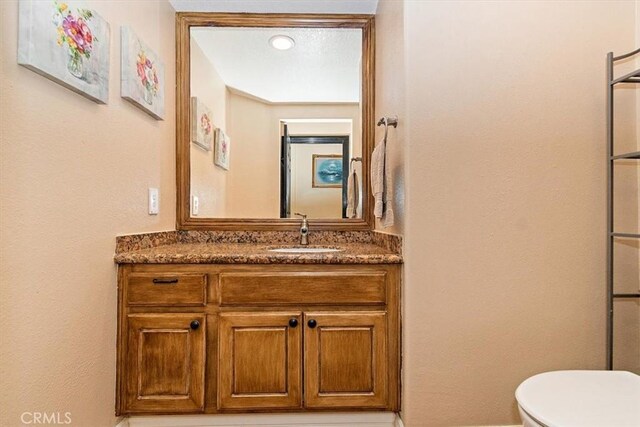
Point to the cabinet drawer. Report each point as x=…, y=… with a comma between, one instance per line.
x=166, y=289
x=357, y=288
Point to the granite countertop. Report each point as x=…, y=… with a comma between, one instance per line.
x=251, y=253
x=191, y=248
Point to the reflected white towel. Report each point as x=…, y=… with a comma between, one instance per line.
x=377, y=178
x=353, y=193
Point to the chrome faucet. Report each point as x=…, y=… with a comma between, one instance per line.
x=304, y=229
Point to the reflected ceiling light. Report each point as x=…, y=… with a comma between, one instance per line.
x=281, y=42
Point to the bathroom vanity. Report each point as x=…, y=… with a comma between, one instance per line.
x=207, y=328
x=229, y=313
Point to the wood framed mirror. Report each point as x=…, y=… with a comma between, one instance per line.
x=219, y=182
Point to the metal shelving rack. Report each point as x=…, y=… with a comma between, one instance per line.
x=612, y=235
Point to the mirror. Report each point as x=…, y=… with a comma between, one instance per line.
x=271, y=112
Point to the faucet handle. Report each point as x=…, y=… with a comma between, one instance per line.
x=304, y=229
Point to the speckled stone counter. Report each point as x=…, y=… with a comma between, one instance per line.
x=201, y=247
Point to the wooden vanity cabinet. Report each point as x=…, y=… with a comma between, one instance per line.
x=345, y=359
x=165, y=361
x=257, y=338
x=260, y=360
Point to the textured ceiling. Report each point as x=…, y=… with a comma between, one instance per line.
x=277, y=6
x=323, y=66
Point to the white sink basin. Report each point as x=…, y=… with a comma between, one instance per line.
x=303, y=250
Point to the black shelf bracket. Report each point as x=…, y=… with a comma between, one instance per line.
x=627, y=156
x=632, y=77
x=632, y=295
x=626, y=235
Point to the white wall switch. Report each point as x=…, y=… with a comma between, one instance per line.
x=154, y=201
x=195, y=205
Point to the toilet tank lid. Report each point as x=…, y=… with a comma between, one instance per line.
x=582, y=398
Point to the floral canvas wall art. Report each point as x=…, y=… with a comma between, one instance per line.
x=141, y=75
x=221, y=153
x=201, y=124
x=66, y=43
x=327, y=171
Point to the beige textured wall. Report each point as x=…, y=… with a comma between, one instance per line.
x=390, y=98
x=73, y=175
x=505, y=216
x=254, y=163
x=254, y=127
x=208, y=181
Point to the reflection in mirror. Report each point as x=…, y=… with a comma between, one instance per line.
x=275, y=122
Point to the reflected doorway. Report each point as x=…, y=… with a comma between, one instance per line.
x=313, y=175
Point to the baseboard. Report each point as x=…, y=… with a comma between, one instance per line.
x=383, y=419
x=350, y=419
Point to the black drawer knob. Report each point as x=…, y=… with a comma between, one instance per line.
x=195, y=325
x=293, y=322
x=312, y=323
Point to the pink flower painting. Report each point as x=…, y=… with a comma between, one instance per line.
x=221, y=153
x=202, y=128
x=148, y=76
x=205, y=123
x=142, y=75
x=66, y=43
x=74, y=33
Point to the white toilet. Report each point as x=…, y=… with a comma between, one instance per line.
x=580, y=399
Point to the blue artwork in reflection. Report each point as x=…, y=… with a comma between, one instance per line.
x=328, y=171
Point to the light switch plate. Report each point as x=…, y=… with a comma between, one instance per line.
x=154, y=201
x=195, y=205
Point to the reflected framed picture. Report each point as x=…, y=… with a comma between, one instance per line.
x=201, y=124
x=221, y=152
x=142, y=75
x=327, y=171
x=67, y=43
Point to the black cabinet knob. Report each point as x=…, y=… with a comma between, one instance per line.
x=312, y=323
x=293, y=322
x=195, y=325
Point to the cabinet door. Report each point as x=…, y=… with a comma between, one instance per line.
x=260, y=360
x=345, y=358
x=165, y=363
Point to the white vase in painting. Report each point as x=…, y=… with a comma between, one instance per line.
x=75, y=66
